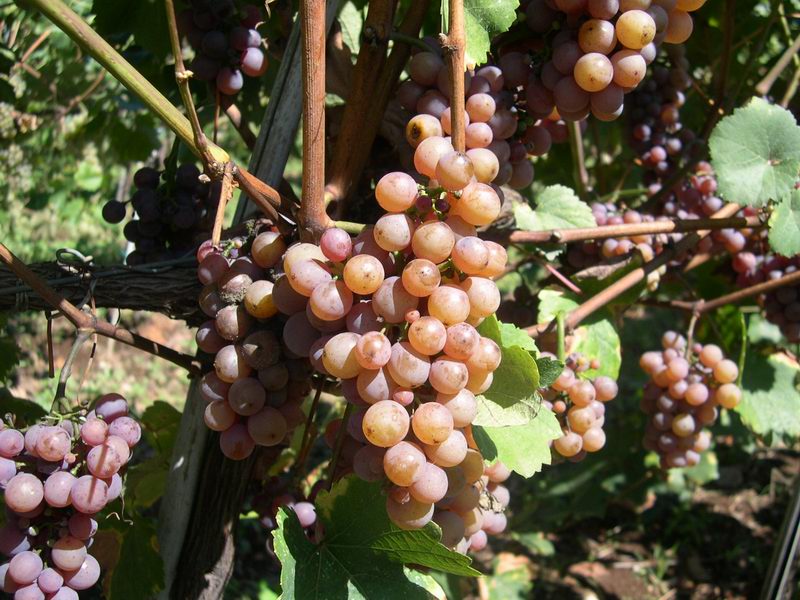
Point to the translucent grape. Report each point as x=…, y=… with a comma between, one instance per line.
x=89, y=494
x=483, y=296
x=259, y=300
x=569, y=444
x=392, y=301
x=485, y=164
x=403, y=463
x=363, y=274
x=397, y=191
x=593, y=72
x=432, y=423
x=393, y=232
x=331, y=300
x=267, y=249
x=486, y=356
x=629, y=68
x=449, y=453
x=454, y=171
x=479, y=204
x=431, y=485
x=450, y=304
x=448, y=376
x=726, y=371
x=68, y=553
x=23, y=493
x=57, y=489
x=339, y=355
x=432, y=241
x=428, y=153
x=373, y=350
x=408, y=367
x=236, y=443
x=635, y=29
x=427, y=335
x=597, y=35
x=728, y=395
x=385, y=423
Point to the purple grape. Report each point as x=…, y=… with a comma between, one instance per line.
x=146, y=177
x=306, y=513
x=205, y=68
x=336, y=244
x=12, y=540
x=229, y=81
x=212, y=268
x=12, y=442
x=82, y=526
x=254, y=62
x=113, y=212
x=111, y=406
x=215, y=44
x=243, y=38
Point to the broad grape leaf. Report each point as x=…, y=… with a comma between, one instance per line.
x=770, y=403
x=549, y=370
x=557, y=207
x=140, y=570
x=522, y=448
x=160, y=423
x=484, y=19
x=755, y=153
x=517, y=377
x=491, y=414
x=784, y=225
x=145, y=482
x=595, y=338
x=361, y=554
x=759, y=330
x=351, y=20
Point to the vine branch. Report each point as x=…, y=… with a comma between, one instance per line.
x=580, y=173
x=453, y=48
x=87, y=322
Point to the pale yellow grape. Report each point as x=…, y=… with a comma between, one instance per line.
x=484, y=297
x=593, y=72
x=569, y=444
x=472, y=466
x=392, y=301
x=267, y=249
x=581, y=418
x=462, y=340
x=448, y=453
x=710, y=355
x=454, y=171
x=374, y=385
x=385, y=423
x=728, y=395
x=397, y=191
x=486, y=357
x=427, y=154
x=479, y=380
x=433, y=241
x=339, y=355
x=470, y=255
x=597, y=35
x=679, y=27
x=449, y=304
x=431, y=485
x=421, y=277
x=432, y=423
x=393, y=232
x=683, y=425
x=363, y=274
x=689, y=5
x=479, y=204
x=408, y=367
x=258, y=299
x=427, y=335
x=448, y=376
x=459, y=226
x=594, y=439
x=629, y=68
x=462, y=405
x=403, y=463
x=420, y=128
x=409, y=515
x=726, y=371
x=635, y=29
x=485, y=165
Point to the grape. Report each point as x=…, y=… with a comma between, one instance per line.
x=629, y=68
x=428, y=153
x=449, y=304
x=259, y=301
x=392, y=301
x=339, y=355
x=597, y=35
x=229, y=81
x=268, y=427
x=403, y=463
x=635, y=29
x=454, y=170
x=89, y=494
x=470, y=255
x=65, y=593
x=484, y=162
x=8, y=469
x=424, y=68
x=679, y=27
x=411, y=514
x=569, y=444
x=68, y=553
x=259, y=350
x=82, y=526
x=432, y=423
x=363, y=274
x=207, y=338
x=385, y=423
x=12, y=443
x=393, y=232
x=448, y=376
x=431, y=485
x=462, y=406
x=219, y=415
x=25, y=567
x=274, y=377
x=446, y=120
x=23, y=493
x=267, y=249
x=432, y=241
x=569, y=96
x=582, y=393
x=427, y=336
x=111, y=406
x=331, y=300
x=486, y=357
x=212, y=268
x=246, y=396
x=233, y=322
x=479, y=205
x=253, y=62
x=298, y=335
x=593, y=72
x=236, y=443
x=461, y=342
x=368, y=463
x=449, y=453
x=49, y=581
x=306, y=275
x=726, y=371
x=605, y=388
x=373, y=350
x=483, y=296
x=57, y=489
x=421, y=277
x=85, y=576
x=362, y=319
x=375, y=385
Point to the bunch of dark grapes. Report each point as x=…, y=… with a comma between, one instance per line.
x=55, y=480
x=580, y=405
x=226, y=42
x=600, y=51
x=683, y=396
x=499, y=135
x=170, y=215
x=259, y=380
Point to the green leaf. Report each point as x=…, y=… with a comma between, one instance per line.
x=89, y=176
x=484, y=19
x=770, y=403
x=517, y=377
x=161, y=421
x=509, y=583
x=351, y=20
x=535, y=543
x=755, y=153
x=491, y=414
x=522, y=448
x=362, y=553
x=145, y=482
x=557, y=207
x=784, y=225
x=140, y=570
x=9, y=352
x=549, y=370
x=760, y=330
x=596, y=338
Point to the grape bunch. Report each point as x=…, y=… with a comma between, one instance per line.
x=580, y=405
x=170, y=215
x=499, y=136
x=55, y=480
x=600, y=51
x=683, y=396
x=226, y=42
x=258, y=383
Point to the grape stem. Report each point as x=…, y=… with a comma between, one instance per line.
x=313, y=219
x=337, y=449
x=60, y=405
x=89, y=322
x=307, y=438
x=182, y=77
x=453, y=50
x=561, y=333
x=580, y=174
x=763, y=87
x=690, y=334
x=632, y=278
x=225, y=195
x=396, y=36
x=267, y=198
x=582, y=234
x=349, y=227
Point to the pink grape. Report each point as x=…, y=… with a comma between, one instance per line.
x=57, y=489
x=85, y=576
x=126, y=428
x=24, y=492
x=82, y=526
x=111, y=406
x=336, y=244
x=25, y=567
x=89, y=494
x=94, y=432
x=12, y=442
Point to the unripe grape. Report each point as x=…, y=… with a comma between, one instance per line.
x=421, y=277
x=403, y=463
x=385, y=423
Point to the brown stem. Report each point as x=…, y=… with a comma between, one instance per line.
x=453, y=48
x=581, y=234
x=791, y=89
x=307, y=438
x=235, y=117
x=36, y=43
x=312, y=216
x=723, y=71
x=225, y=195
x=631, y=279
x=581, y=175
x=84, y=321
x=337, y=448
x=367, y=73
x=765, y=84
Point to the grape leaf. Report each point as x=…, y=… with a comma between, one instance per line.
x=484, y=19
x=784, y=225
x=517, y=377
x=351, y=21
x=557, y=207
x=522, y=448
x=755, y=153
x=770, y=403
x=596, y=338
x=362, y=553
x=492, y=414
x=549, y=370
x=140, y=570
x=160, y=424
